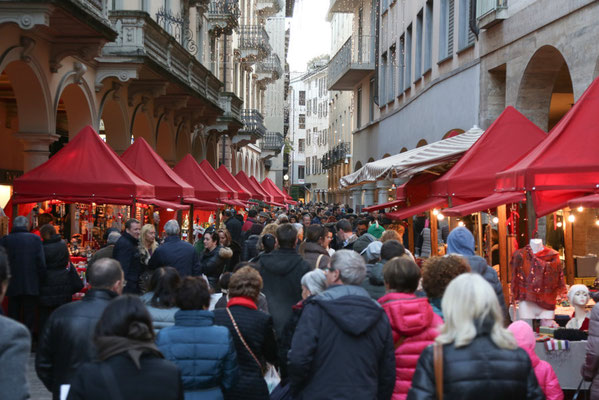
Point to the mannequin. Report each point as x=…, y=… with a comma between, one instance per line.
x=578, y=295
x=537, y=279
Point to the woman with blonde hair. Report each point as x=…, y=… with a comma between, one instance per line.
x=484, y=357
x=147, y=245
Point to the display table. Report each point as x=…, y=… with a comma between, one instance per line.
x=566, y=363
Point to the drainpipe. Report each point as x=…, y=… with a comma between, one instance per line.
x=376, y=53
x=473, y=22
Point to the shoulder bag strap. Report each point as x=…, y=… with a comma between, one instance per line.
x=243, y=340
x=438, y=361
x=318, y=261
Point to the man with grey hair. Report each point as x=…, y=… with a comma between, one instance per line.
x=343, y=336
x=106, y=251
x=176, y=253
x=28, y=269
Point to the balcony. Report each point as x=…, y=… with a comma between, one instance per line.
x=253, y=128
x=353, y=62
x=490, y=12
x=222, y=16
x=269, y=69
x=254, y=43
x=271, y=145
x=230, y=122
x=343, y=6
x=268, y=8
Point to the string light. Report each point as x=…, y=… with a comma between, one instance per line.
x=571, y=218
x=440, y=216
x=435, y=212
x=461, y=223
x=559, y=224
x=580, y=209
x=597, y=222
x=495, y=220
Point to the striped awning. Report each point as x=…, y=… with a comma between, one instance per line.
x=409, y=163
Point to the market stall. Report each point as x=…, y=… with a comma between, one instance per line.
x=273, y=190
x=242, y=193
x=232, y=194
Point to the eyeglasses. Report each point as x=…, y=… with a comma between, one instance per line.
x=328, y=268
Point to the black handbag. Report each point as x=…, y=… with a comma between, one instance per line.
x=580, y=392
x=74, y=279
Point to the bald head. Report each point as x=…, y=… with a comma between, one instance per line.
x=106, y=273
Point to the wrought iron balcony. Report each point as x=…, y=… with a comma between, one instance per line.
x=268, y=8
x=490, y=12
x=343, y=6
x=223, y=16
x=177, y=27
x=253, y=128
x=272, y=141
x=254, y=43
x=269, y=69
x=353, y=62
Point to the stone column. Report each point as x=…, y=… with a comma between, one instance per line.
x=35, y=148
x=357, y=196
x=369, y=194
x=383, y=188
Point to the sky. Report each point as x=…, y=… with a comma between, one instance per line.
x=310, y=33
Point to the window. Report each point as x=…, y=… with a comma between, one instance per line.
x=325, y=109
x=408, y=68
x=402, y=50
x=383, y=80
x=418, y=56
x=301, y=144
x=314, y=105
x=302, y=98
x=302, y=121
x=308, y=135
x=446, y=29
x=359, y=109
x=428, y=35
x=307, y=165
x=314, y=165
x=301, y=172
x=325, y=137
x=309, y=108
x=466, y=36
x=391, y=73
x=371, y=101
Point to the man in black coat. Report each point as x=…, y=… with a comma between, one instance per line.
x=176, y=253
x=28, y=270
x=126, y=252
x=233, y=226
x=342, y=347
x=346, y=235
x=66, y=341
x=282, y=271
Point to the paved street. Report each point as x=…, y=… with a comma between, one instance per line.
x=36, y=387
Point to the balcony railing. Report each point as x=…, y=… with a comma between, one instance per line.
x=272, y=141
x=254, y=37
x=268, y=8
x=353, y=61
x=176, y=26
x=270, y=65
x=223, y=16
x=253, y=123
x=336, y=155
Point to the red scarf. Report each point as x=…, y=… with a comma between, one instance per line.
x=242, y=301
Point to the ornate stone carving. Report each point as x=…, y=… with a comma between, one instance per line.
x=27, y=45
x=122, y=72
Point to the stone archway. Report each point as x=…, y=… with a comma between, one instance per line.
x=182, y=142
x=211, y=149
x=142, y=127
x=165, y=141
x=545, y=92
x=116, y=125
x=452, y=133
x=358, y=166
x=197, y=149
x=75, y=101
x=386, y=155
x=421, y=142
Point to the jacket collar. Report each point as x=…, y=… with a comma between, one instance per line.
x=242, y=301
x=53, y=239
x=194, y=318
x=102, y=294
x=19, y=230
x=173, y=238
x=337, y=291
x=130, y=238
x=315, y=248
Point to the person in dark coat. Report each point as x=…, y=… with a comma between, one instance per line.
x=212, y=261
x=129, y=365
x=250, y=245
x=204, y=353
x=590, y=368
x=251, y=220
x=312, y=250
x=226, y=241
x=345, y=235
x=374, y=282
x=106, y=251
x=257, y=330
x=126, y=252
x=15, y=346
x=56, y=290
x=282, y=271
x=342, y=347
x=66, y=341
x=481, y=359
x=461, y=241
x=176, y=253
x=233, y=226
x=28, y=271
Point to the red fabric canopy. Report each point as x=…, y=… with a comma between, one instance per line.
x=242, y=193
x=84, y=170
x=212, y=174
x=273, y=190
x=565, y=161
x=168, y=186
x=492, y=201
x=507, y=140
x=288, y=198
x=428, y=204
x=384, y=205
x=268, y=198
x=243, y=179
x=205, y=188
x=165, y=204
x=590, y=201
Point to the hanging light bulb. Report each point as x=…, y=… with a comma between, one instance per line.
x=580, y=209
x=461, y=223
x=571, y=218
x=597, y=222
x=559, y=224
x=495, y=220
x=440, y=216
x=435, y=212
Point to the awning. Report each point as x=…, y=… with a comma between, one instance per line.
x=242, y=193
x=203, y=204
x=243, y=179
x=411, y=162
x=164, y=204
x=590, y=201
x=272, y=189
x=267, y=196
x=216, y=178
x=205, y=188
x=427, y=205
x=390, y=204
x=492, y=201
x=235, y=203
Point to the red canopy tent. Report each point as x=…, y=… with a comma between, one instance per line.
x=400, y=199
x=85, y=170
x=257, y=194
x=417, y=192
x=270, y=198
x=289, y=198
x=205, y=188
x=232, y=195
x=242, y=193
x=168, y=186
x=565, y=164
x=273, y=190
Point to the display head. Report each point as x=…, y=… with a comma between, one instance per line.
x=578, y=295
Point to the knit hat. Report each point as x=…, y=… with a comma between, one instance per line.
x=376, y=230
x=574, y=289
x=460, y=241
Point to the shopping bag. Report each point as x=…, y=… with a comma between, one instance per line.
x=272, y=378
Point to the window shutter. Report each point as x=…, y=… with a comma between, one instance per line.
x=450, y=27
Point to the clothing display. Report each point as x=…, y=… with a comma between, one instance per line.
x=537, y=278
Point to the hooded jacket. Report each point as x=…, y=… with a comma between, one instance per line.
x=414, y=326
x=342, y=348
x=460, y=241
x=311, y=252
x=282, y=271
x=56, y=289
x=544, y=372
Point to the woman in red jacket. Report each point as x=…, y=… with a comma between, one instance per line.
x=413, y=322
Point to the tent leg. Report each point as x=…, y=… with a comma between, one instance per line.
x=411, y=238
x=479, y=233
x=569, y=247
x=434, y=234
x=531, y=216
x=190, y=236
x=503, y=255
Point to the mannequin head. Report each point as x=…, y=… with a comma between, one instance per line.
x=578, y=295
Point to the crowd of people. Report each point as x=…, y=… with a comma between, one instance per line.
x=331, y=301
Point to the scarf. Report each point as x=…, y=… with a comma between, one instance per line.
x=109, y=346
x=243, y=301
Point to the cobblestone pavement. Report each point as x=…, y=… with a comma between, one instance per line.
x=36, y=387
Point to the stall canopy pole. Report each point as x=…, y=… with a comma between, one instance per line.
x=569, y=247
x=479, y=233
x=489, y=244
x=434, y=234
x=531, y=216
x=190, y=235
x=411, y=237
x=503, y=256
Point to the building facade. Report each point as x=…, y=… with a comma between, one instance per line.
x=187, y=76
